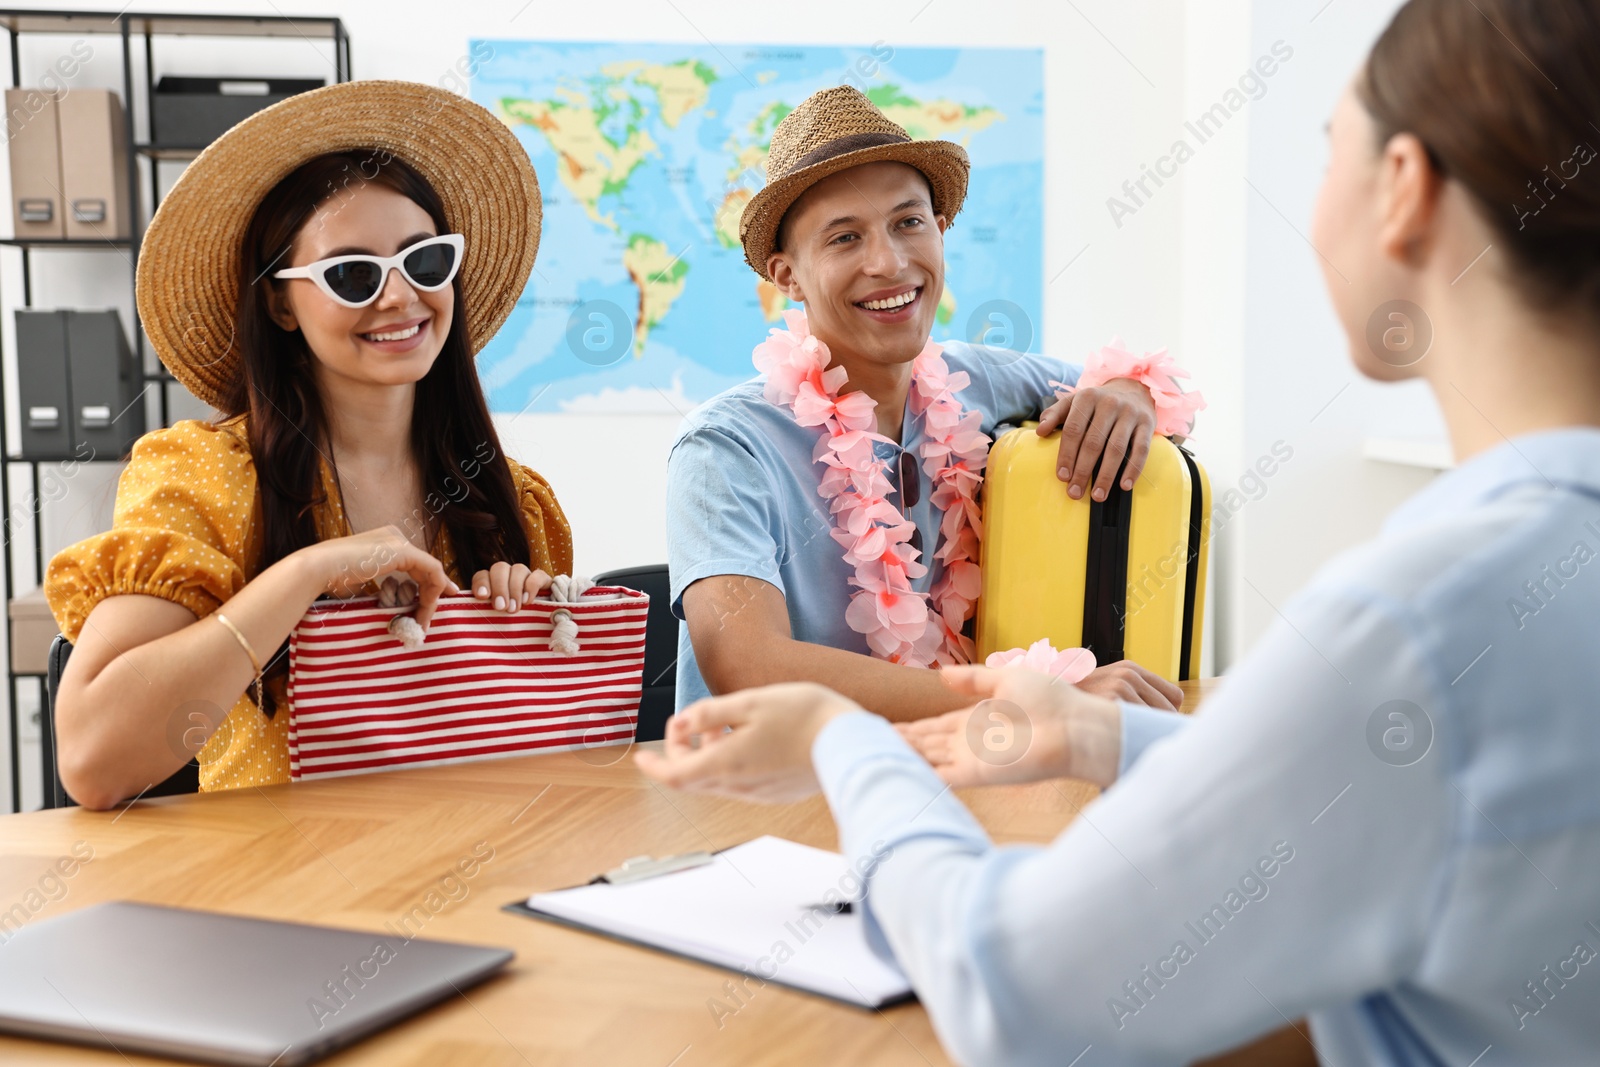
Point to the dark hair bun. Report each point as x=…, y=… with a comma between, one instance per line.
x=1505, y=94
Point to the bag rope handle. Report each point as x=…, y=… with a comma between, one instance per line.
x=566, y=589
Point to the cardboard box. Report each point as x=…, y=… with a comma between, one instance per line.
x=35, y=150
x=33, y=628
x=94, y=164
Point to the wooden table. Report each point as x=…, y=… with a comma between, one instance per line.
x=362, y=852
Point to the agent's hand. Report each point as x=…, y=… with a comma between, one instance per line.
x=509, y=586
x=754, y=744
x=1024, y=726
x=349, y=566
x=1102, y=423
x=1126, y=680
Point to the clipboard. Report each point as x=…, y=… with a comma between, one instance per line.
x=764, y=909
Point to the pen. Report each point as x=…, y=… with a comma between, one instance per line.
x=843, y=907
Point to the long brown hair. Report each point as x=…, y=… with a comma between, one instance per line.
x=451, y=431
x=1504, y=94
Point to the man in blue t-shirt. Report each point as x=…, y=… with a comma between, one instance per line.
x=851, y=225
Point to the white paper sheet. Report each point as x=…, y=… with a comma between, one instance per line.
x=750, y=910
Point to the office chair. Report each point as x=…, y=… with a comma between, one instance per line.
x=660, y=646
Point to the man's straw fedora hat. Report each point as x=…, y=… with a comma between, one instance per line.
x=833, y=130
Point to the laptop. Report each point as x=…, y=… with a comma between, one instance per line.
x=221, y=988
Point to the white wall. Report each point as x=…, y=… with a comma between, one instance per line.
x=1212, y=250
x=1256, y=327
x=1206, y=265
x=1298, y=384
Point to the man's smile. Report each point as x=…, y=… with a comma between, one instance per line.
x=891, y=305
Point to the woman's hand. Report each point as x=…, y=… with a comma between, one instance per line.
x=754, y=744
x=1023, y=727
x=348, y=566
x=1101, y=423
x=510, y=585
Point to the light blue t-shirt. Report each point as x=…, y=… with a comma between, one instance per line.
x=742, y=497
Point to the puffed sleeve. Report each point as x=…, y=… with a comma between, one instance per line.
x=178, y=532
x=549, y=536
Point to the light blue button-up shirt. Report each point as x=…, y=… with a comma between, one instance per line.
x=742, y=497
x=1387, y=818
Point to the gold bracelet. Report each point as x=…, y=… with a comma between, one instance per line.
x=244, y=643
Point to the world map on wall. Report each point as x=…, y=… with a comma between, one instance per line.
x=646, y=154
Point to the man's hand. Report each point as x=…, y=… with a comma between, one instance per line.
x=1101, y=423
x=1024, y=727
x=754, y=744
x=1126, y=680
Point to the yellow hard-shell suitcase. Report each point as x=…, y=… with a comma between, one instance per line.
x=1125, y=579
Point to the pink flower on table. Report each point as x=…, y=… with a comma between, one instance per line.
x=1070, y=665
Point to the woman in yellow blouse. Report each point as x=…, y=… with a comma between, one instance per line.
x=323, y=275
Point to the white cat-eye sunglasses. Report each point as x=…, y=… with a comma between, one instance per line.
x=356, y=281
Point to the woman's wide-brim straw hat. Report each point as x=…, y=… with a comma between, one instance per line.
x=188, y=277
x=833, y=130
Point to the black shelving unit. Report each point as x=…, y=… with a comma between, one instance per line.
x=143, y=157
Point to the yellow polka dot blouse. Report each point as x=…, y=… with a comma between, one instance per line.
x=186, y=529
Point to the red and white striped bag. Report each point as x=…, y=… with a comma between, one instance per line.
x=484, y=685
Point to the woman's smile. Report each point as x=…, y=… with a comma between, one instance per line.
x=399, y=336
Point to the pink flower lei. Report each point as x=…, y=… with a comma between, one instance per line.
x=900, y=624
x=1156, y=371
